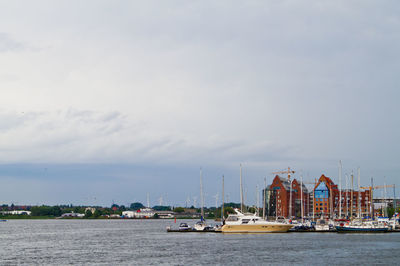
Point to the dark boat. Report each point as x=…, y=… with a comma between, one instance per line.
x=361, y=229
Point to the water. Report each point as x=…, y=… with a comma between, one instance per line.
x=146, y=242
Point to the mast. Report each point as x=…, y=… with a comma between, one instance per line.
x=223, y=200
x=347, y=195
x=351, y=195
x=340, y=189
x=201, y=194
x=258, y=201
x=331, y=201
x=394, y=198
x=314, y=204
x=359, y=194
x=264, y=199
x=372, y=199
x=290, y=198
x=148, y=200
x=384, y=197
x=241, y=190
x=301, y=196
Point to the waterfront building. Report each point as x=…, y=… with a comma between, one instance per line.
x=283, y=198
x=325, y=197
x=326, y=200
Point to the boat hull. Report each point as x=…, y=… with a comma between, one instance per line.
x=256, y=228
x=342, y=229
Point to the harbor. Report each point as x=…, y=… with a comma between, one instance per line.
x=339, y=210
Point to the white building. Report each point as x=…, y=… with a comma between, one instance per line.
x=142, y=213
x=73, y=214
x=19, y=212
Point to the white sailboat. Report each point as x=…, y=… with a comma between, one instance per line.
x=202, y=224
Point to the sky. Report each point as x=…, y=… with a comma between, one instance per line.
x=105, y=102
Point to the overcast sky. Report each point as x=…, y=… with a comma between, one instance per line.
x=104, y=101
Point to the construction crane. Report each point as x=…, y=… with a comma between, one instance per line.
x=372, y=188
x=288, y=172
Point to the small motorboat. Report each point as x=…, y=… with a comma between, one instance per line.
x=184, y=227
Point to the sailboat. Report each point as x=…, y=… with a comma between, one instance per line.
x=202, y=224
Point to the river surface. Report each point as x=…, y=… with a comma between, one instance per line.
x=146, y=242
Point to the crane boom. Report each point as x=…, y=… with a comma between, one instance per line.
x=288, y=172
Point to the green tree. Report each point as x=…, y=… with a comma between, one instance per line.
x=162, y=208
x=179, y=209
x=136, y=206
x=97, y=213
x=88, y=214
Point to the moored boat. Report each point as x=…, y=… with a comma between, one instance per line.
x=362, y=227
x=251, y=223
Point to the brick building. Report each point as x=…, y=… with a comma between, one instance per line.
x=281, y=200
x=326, y=194
x=326, y=200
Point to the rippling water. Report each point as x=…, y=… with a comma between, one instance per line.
x=146, y=242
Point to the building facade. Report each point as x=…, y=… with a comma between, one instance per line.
x=326, y=200
x=284, y=198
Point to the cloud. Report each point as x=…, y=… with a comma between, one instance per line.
x=8, y=44
x=267, y=83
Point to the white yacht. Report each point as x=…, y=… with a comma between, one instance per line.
x=251, y=223
x=322, y=225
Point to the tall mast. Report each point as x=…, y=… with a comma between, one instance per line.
x=384, y=186
x=394, y=197
x=201, y=194
x=372, y=199
x=258, y=201
x=351, y=196
x=241, y=190
x=301, y=196
x=223, y=199
x=290, y=197
x=314, y=204
x=340, y=189
x=148, y=200
x=359, y=194
x=347, y=195
x=264, y=199
x=331, y=201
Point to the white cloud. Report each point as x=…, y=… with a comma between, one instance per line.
x=266, y=82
